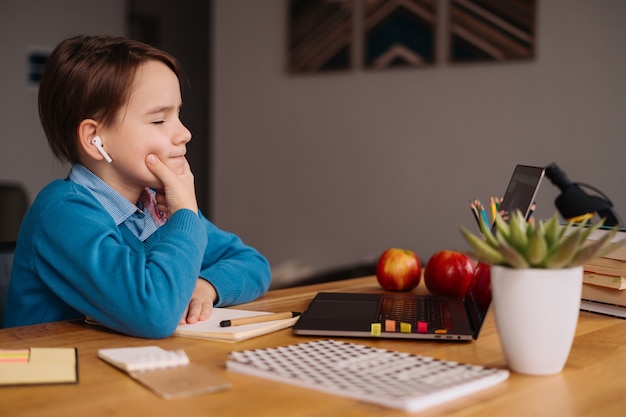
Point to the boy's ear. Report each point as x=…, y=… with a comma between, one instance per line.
x=86, y=132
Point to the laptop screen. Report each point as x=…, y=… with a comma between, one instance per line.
x=519, y=195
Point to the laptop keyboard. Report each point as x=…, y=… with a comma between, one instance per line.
x=425, y=314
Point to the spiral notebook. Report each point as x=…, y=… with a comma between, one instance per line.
x=168, y=374
x=388, y=378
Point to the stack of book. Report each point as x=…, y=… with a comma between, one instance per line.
x=604, y=281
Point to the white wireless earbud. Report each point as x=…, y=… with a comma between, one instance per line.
x=97, y=142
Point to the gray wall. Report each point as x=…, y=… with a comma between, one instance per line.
x=38, y=24
x=332, y=169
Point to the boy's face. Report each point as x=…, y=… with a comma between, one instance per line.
x=148, y=124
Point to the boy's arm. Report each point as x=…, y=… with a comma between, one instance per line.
x=87, y=262
x=238, y=272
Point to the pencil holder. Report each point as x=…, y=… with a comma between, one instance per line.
x=536, y=312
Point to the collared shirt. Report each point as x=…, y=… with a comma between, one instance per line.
x=135, y=217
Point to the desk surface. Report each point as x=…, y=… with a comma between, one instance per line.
x=593, y=382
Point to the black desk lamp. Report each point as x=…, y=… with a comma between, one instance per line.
x=574, y=203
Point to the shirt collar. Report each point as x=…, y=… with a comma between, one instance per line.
x=113, y=202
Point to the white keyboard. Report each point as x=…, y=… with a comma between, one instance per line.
x=389, y=378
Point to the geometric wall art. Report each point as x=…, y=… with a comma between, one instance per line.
x=399, y=33
x=492, y=30
x=319, y=35
x=407, y=33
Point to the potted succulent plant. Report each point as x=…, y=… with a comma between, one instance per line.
x=536, y=279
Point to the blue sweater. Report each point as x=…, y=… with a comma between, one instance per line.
x=72, y=260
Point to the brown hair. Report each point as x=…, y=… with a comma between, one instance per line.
x=90, y=77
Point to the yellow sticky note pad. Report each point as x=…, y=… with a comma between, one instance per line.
x=44, y=366
x=405, y=327
x=376, y=329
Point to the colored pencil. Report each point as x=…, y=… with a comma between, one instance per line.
x=494, y=210
x=483, y=212
x=475, y=212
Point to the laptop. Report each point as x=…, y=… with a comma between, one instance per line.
x=409, y=315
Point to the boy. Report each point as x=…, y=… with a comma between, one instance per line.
x=100, y=243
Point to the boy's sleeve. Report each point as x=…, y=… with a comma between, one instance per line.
x=238, y=272
x=91, y=267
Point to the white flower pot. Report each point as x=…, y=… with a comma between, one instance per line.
x=536, y=312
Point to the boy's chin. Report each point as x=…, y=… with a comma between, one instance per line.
x=154, y=183
x=176, y=165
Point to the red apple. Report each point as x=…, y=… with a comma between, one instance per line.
x=398, y=270
x=481, y=286
x=448, y=273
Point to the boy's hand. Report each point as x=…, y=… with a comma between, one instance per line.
x=179, y=190
x=201, y=303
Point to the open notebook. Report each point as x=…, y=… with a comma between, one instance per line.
x=211, y=329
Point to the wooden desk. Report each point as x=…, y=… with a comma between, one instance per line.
x=592, y=384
